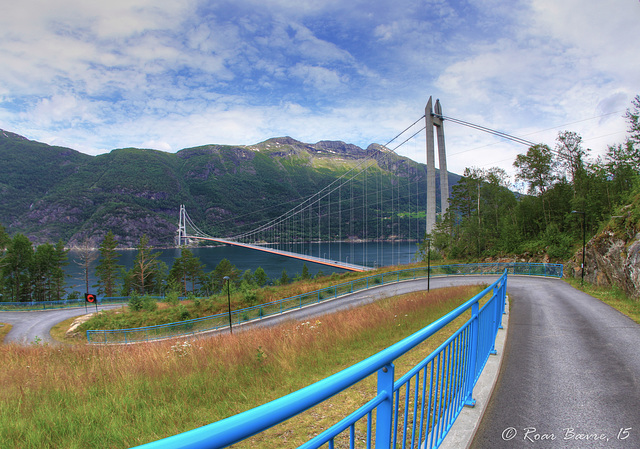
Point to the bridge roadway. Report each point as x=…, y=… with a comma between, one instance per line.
x=570, y=376
x=320, y=260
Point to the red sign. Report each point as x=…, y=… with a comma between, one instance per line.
x=89, y=297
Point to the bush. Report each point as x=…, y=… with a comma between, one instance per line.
x=172, y=298
x=135, y=302
x=250, y=297
x=149, y=304
x=183, y=313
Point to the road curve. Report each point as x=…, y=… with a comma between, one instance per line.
x=570, y=377
x=28, y=325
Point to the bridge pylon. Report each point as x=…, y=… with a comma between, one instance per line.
x=182, y=238
x=435, y=119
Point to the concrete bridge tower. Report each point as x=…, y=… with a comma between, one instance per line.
x=435, y=119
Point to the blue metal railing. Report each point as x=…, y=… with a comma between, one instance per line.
x=221, y=320
x=416, y=410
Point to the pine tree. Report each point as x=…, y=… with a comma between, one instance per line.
x=108, y=268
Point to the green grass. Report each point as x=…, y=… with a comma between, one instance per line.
x=612, y=296
x=116, y=397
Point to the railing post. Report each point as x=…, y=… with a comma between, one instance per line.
x=473, y=354
x=384, y=413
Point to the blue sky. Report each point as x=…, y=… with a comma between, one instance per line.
x=167, y=75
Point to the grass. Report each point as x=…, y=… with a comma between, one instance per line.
x=4, y=330
x=613, y=296
x=115, y=397
x=124, y=318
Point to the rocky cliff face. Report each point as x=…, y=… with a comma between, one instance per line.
x=612, y=258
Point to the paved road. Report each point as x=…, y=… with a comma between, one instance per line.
x=571, y=373
x=26, y=326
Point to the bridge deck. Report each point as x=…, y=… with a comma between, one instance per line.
x=320, y=260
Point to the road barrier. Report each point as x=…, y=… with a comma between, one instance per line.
x=416, y=410
x=239, y=316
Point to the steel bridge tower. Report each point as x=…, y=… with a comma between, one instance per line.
x=181, y=237
x=435, y=119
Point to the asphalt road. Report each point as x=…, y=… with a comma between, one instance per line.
x=570, y=377
x=28, y=325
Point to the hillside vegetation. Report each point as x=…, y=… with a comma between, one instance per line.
x=51, y=193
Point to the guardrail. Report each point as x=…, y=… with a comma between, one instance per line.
x=416, y=410
x=221, y=320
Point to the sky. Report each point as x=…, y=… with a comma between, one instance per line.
x=168, y=75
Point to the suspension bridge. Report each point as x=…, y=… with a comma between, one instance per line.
x=381, y=199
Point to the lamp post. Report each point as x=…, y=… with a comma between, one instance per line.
x=584, y=242
x=428, y=265
x=228, y=279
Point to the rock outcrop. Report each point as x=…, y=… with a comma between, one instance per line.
x=612, y=257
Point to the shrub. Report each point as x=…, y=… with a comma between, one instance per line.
x=250, y=296
x=172, y=298
x=135, y=302
x=149, y=304
x=183, y=313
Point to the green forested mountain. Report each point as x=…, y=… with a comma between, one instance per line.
x=51, y=193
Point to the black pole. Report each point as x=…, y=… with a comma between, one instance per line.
x=228, y=279
x=584, y=243
x=429, y=265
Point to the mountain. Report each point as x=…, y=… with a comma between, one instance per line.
x=50, y=193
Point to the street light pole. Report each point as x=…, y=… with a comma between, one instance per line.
x=428, y=264
x=228, y=279
x=584, y=242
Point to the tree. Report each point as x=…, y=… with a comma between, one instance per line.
x=86, y=256
x=260, y=277
x=4, y=239
x=305, y=272
x=146, y=273
x=284, y=279
x=571, y=155
x=108, y=268
x=186, y=267
x=224, y=268
x=536, y=168
x=16, y=268
x=42, y=269
x=61, y=259
x=633, y=117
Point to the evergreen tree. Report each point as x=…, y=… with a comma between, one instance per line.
x=61, y=260
x=260, y=277
x=42, y=269
x=224, y=268
x=108, y=268
x=185, y=268
x=284, y=279
x=16, y=268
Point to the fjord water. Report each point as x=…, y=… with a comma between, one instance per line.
x=371, y=254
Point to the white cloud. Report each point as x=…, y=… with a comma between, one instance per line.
x=172, y=74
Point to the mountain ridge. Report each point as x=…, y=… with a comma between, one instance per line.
x=52, y=193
